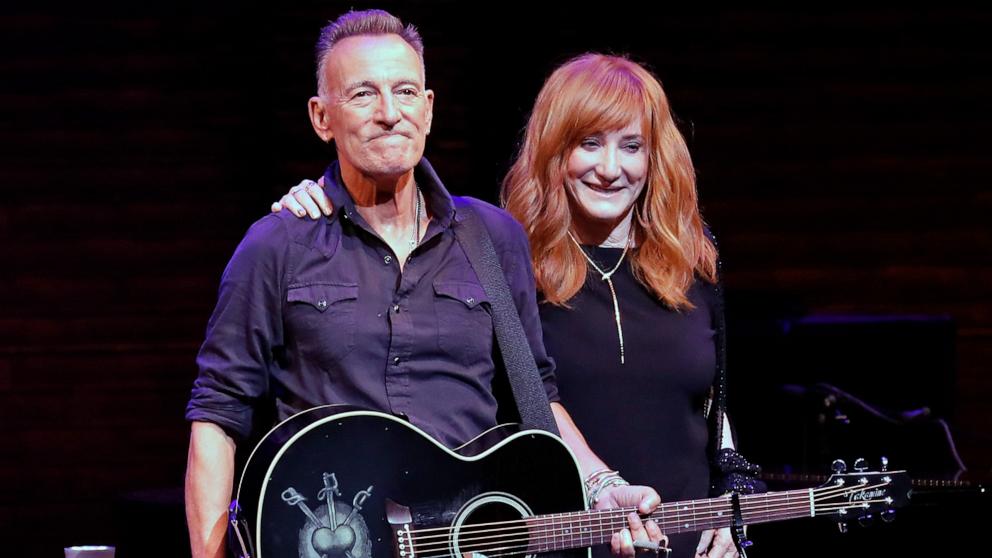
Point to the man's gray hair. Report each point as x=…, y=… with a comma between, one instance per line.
x=365, y=22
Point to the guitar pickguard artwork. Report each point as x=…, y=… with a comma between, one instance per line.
x=334, y=529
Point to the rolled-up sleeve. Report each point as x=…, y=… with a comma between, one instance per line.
x=243, y=333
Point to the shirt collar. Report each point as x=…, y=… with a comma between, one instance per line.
x=435, y=194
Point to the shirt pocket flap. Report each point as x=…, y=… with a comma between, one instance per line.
x=322, y=296
x=469, y=294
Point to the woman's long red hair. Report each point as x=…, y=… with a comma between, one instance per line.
x=598, y=93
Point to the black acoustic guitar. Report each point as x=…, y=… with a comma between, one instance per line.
x=334, y=482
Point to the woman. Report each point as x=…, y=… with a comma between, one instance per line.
x=605, y=188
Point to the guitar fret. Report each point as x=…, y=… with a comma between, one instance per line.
x=600, y=525
x=550, y=540
x=564, y=531
x=533, y=535
x=583, y=529
x=546, y=541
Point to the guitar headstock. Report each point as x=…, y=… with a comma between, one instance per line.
x=861, y=495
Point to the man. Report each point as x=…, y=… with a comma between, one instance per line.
x=375, y=306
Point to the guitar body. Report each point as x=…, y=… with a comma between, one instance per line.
x=335, y=482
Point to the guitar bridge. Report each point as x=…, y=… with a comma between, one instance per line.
x=400, y=521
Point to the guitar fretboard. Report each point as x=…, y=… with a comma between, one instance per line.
x=587, y=528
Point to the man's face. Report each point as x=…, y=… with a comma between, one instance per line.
x=379, y=112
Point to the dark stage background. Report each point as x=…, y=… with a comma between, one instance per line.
x=842, y=160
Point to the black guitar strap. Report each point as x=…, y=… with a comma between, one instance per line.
x=525, y=380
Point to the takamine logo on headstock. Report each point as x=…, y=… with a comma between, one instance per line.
x=862, y=493
x=865, y=495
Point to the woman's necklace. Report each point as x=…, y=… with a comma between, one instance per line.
x=606, y=275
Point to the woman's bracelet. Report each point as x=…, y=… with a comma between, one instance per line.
x=600, y=480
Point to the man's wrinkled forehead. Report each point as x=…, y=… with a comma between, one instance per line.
x=373, y=59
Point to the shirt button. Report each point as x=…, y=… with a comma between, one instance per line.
x=387, y=259
x=396, y=360
x=321, y=304
x=396, y=308
x=469, y=300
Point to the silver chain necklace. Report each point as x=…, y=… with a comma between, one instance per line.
x=415, y=241
x=607, y=275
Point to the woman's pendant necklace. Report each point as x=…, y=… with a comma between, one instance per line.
x=607, y=276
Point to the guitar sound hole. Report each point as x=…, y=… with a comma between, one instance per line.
x=491, y=525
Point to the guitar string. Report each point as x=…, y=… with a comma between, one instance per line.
x=748, y=500
x=721, y=506
x=524, y=549
x=550, y=542
x=613, y=519
x=699, y=519
x=754, y=504
x=530, y=547
x=595, y=514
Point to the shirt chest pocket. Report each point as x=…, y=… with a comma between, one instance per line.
x=464, y=322
x=322, y=318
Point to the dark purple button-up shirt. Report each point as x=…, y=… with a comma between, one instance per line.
x=317, y=312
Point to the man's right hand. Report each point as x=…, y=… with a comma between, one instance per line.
x=306, y=198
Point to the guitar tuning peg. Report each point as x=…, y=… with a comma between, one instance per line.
x=860, y=464
x=885, y=463
x=866, y=520
x=842, y=526
x=889, y=515
x=838, y=466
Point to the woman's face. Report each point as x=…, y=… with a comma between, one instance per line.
x=605, y=175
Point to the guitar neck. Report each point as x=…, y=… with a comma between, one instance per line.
x=588, y=528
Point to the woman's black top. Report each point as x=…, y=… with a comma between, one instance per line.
x=644, y=417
